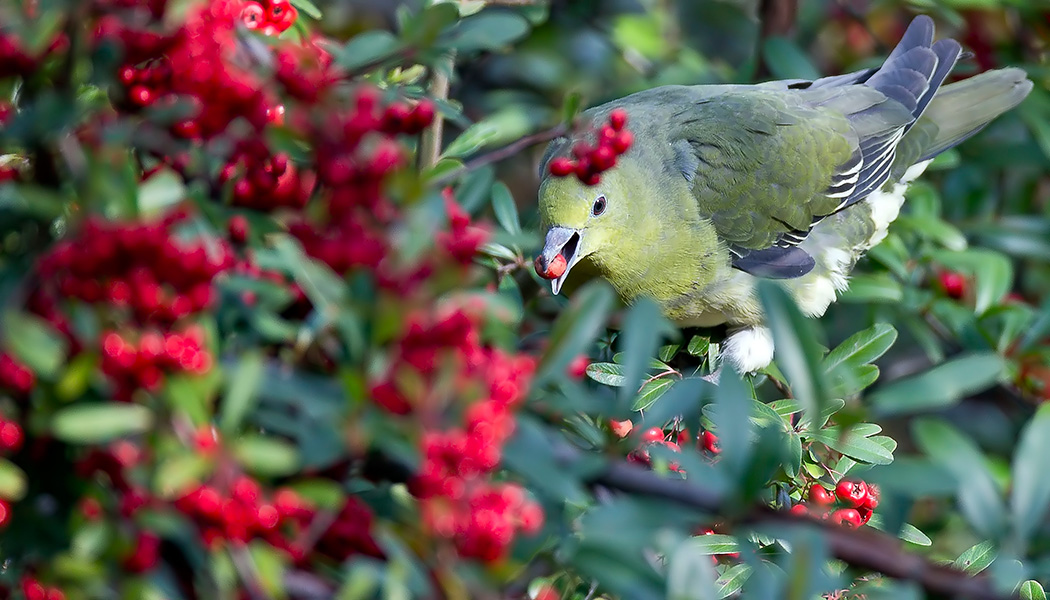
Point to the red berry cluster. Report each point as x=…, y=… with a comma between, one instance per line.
x=146, y=82
x=483, y=521
x=463, y=240
x=458, y=500
x=265, y=182
x=15, y=376
x=592, y=160
x=307, y=72
x=269, y=17
x=356, y=151
x=706, y=441
x=194, y=63
x=140, y=269
x=143, y=365
x=34, y=590
x=244, y=514
x=350, y=533
x=858, y=501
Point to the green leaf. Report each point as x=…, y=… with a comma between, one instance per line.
x=690, y=573
x=651, y=392
x=241, y=395
x=855, y=446
x=715, y=544
x=862, y=377
x=266, y=456
x=499, y=128
x=941, y=386
x=576, y=328
x=1032, y=590
x=1030, y=488
x=876, y=287
x=643, y=328
x=12, y=481
x=423, y=29
x=786, y=60
x=96, y=423
x=935, y=229
x=977, y=558
x=698, y=345
x=177, y=475
x=798, y=353
x=732, y=581
x=487, y=30
x=606, y=373
x=908, y=532
x=861, y=348
x=34, y=342
x=309, y=8
x=160, y=192
x=367, y=48
x=977, y=493
x=505, y=209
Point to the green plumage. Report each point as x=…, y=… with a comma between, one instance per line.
x=788, y=180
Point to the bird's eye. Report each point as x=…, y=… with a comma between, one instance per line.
x=599, y=206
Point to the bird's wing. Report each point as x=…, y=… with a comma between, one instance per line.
x=767, y=163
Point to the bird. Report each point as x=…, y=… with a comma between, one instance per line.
x=789, y=180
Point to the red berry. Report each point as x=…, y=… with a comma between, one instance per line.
x=141, y=95
x=10, y=436
x=554, y=270
x=710, y=442
x=547, y=593
x=799, y=509
x=820, y=496
x=5, y=513
x=617, y=119
x=578, y=367
x=846, y=516
x=253, y=15
x=852, y=493
x=238, y=229
x=872, y=501
x=623, y=141
x=562, y=166
x=621, y=428
x=954, y=284
x=653, y=434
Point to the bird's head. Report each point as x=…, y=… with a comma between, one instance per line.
x=581, y=221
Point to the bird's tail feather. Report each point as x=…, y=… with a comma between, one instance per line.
x=959, y=110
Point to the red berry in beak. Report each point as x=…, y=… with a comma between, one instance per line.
x=554, y=269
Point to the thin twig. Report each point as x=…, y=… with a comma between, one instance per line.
x=505, y=152
x=430, y=149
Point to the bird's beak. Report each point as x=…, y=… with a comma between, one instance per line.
x=564, y=241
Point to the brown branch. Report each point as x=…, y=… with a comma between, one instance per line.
x=430, y=147
x=863, y=548
x=502, y=153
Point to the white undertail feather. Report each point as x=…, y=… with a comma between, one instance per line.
x=749, y=349
x=814, y=294
x=886, y=204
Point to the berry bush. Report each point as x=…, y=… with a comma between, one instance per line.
x=271, y=326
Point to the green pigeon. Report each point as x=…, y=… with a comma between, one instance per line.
x=786, y=180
